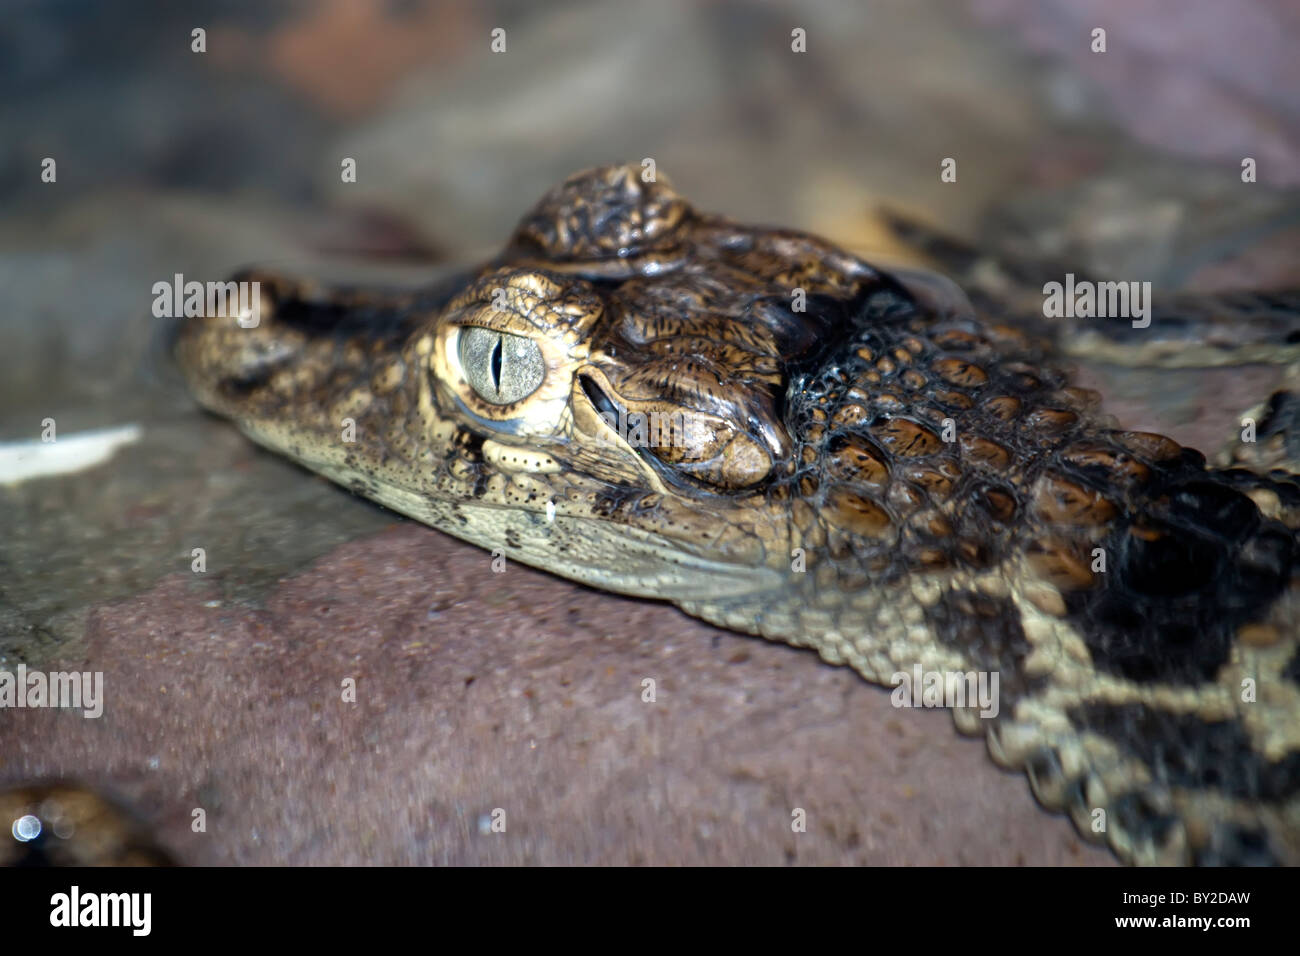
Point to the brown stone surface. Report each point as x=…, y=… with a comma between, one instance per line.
x=478, y=691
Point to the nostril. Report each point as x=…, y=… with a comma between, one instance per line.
x=240, y=386
x=219, y=358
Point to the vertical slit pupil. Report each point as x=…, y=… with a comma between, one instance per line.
x=496, y=365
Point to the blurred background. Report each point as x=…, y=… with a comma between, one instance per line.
x=170, y=160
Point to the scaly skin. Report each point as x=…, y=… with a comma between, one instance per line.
x=867, y=467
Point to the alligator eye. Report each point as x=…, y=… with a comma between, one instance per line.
x=502, y=368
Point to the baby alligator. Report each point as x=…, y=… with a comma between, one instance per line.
x=783, y=440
